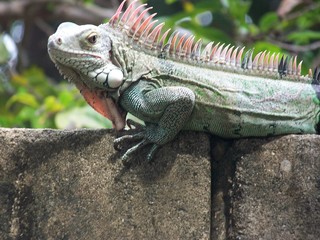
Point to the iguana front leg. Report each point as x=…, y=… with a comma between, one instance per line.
x=165, y=111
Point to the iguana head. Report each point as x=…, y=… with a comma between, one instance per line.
x=83, y=54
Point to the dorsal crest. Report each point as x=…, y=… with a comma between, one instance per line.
x=142, y=29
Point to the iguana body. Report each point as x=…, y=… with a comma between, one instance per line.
x=126, y=66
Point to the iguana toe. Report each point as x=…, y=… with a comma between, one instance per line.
x=135, y=125
x=118, y=142
x=152, y=152
x=131, y=151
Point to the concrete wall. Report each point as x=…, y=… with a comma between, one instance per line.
x=72, y=185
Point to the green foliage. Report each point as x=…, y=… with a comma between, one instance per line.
x=88, y=1
x=4, y=54
x=268, y=22
x=260, y=46
x=33, y=101
x=37, y=103
x=170, y=1
x=80, y=117
x=237, y=9
x=304, y=36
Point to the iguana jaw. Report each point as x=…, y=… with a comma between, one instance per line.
x=95, y=97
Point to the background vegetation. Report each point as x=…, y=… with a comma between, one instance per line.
x=33, y=94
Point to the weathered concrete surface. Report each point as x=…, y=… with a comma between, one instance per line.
x=276, y=189
x=69, y=185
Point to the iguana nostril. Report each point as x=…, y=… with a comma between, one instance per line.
x=59, y=41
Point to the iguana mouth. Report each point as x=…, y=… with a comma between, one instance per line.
x=68, y=54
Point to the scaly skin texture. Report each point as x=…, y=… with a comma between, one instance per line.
x=170, y=94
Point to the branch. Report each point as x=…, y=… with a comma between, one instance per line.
x=61, y=11
x=83, y=13
x=295, y=48
x=299, y=13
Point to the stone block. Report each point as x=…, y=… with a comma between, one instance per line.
x=276, y=188
x=71, y=185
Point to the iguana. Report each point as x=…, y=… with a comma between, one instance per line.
x=174, y=84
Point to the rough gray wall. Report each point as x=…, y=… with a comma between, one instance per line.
x=276, y=189
x=71, y=185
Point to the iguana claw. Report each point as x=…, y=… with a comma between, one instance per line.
x=135, y=125
x=141, y=136
x=152, y=152
x=134, y=149
x=117, y=142
x=131, y=151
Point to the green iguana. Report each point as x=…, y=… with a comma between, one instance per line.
x=128, y=65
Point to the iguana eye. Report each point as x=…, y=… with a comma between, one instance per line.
x=92, y=38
